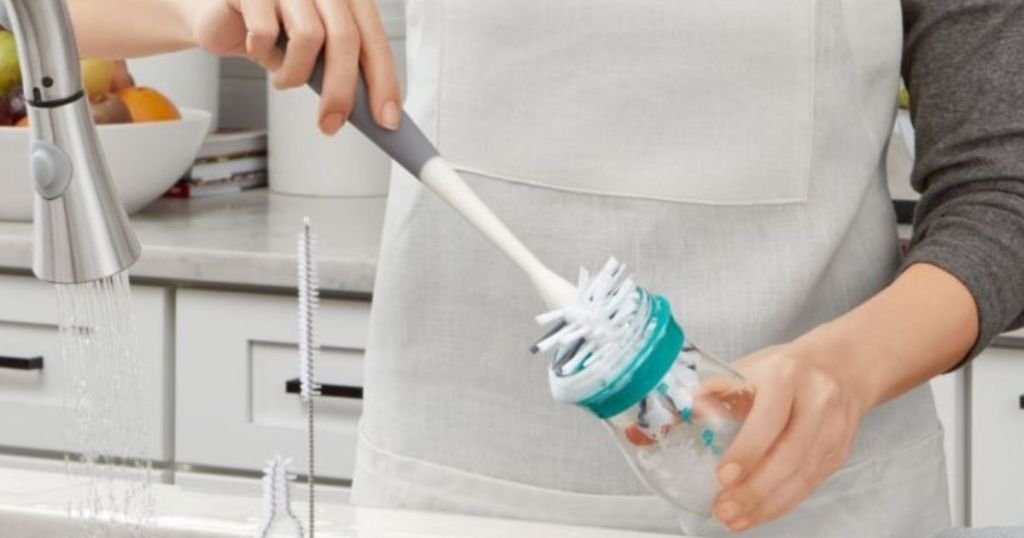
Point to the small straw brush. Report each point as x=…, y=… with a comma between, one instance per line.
x=309, y=299
x=277, y=473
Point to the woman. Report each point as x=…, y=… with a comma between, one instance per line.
x=729, y=152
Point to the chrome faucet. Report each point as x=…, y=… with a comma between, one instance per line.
x=81, y=229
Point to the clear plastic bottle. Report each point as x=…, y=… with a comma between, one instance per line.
x=672, y=409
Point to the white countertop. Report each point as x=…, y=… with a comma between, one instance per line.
x=242, y=240
x=34, y=504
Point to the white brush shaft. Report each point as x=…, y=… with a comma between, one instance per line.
x=441, y=178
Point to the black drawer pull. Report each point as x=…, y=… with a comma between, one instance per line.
x=21, y=363
x=1022, y=401
x=293, y=386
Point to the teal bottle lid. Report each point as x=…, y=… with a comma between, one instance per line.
x=647, y=369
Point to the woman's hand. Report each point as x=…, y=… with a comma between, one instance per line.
x=810, y=394
x=799, y=431
x=350, y=31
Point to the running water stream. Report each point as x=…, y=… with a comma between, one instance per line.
x=106, y=427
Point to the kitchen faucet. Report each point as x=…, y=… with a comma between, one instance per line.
x=81, y=229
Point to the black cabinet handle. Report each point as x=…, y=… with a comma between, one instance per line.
x=21, y=363
x=1022, y=401
x=294, y=386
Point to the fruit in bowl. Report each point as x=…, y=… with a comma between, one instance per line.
x=10, y=72
x=148, y=142
x=113, y=98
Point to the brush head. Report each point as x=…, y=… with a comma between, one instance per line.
x=612, y=345
x=595, y=323
x=309, y=299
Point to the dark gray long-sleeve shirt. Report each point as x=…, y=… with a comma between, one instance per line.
x=964, y=65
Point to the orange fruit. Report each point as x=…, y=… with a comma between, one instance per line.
x=23, y=122
x=147, y=104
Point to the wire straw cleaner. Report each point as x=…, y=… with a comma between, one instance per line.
x=619, y=353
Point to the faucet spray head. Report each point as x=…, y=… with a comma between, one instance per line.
x=81, y=229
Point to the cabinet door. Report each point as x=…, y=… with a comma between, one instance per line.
x=235, y=354
x=997, y=437
x=951, y=403
x=32, y=400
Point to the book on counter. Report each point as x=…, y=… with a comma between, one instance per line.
x=235, y=184
x=228, y=162
x=229, y=143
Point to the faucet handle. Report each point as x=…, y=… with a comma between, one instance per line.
x=52, y=170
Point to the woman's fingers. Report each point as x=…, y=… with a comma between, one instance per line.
x=306, y=35
x=378, y=64
x=826, y=454
x=262, y=29
x=769, y=415
x=788, y=455
x=348, y=32
x=341, y=59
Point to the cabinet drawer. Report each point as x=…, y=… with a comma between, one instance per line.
x=997, y=437
x=31, y=401
x=235, y=354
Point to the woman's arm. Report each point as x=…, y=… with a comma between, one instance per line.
x=962, y=282
x=130, y=28
x=350, y=32
x=963, y=65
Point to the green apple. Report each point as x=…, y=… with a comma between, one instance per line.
x=10, y=71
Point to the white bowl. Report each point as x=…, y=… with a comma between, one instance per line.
x=145, y=159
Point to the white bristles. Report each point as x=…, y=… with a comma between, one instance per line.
x=277, y=497
x=606, y=303
x=309, y=298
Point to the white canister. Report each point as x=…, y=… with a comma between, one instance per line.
x=190, y=78
x=305, y=162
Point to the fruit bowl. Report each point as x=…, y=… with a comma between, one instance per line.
x=145, y=159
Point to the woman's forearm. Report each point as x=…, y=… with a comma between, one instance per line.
x=129, y=28
x=920, y=326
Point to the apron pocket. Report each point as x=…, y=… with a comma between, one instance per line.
x=700, y=101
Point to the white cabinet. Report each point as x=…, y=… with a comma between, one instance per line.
x=951, y=403
x=997, y=438
x=235, y=353
x=31, y=400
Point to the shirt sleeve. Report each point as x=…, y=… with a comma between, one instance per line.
x=963, y=63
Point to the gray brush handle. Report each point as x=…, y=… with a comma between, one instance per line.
x=408, y=146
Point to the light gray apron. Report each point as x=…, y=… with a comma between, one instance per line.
x=730, y=151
